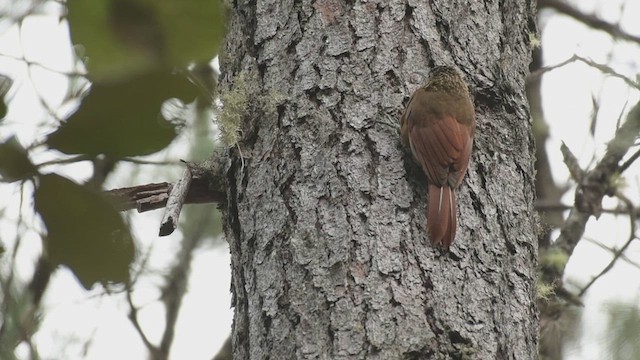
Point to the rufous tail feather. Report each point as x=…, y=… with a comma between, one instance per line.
x=442, y=215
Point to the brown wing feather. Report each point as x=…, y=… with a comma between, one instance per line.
x=463, y=164
x=442, y=148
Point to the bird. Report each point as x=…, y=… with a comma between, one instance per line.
x=438, y=126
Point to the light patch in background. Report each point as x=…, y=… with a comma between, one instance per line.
x=200, y=333
x=567, y=97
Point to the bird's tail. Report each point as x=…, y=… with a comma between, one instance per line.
x=442, y=215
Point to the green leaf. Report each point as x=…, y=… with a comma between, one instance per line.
x=84, y=231
x=123, y=119
x=127, y=37
x=14, y=162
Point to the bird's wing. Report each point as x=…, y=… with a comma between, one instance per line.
x=442, y=146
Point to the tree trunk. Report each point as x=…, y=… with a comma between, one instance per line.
x=326, y=210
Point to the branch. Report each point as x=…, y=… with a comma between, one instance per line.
x=605, y=69
x=550, y=205
x=535, y=75
x=142, y=197
x=597, y=183
x=589, y=20
x=155, y=196
x=593, y=185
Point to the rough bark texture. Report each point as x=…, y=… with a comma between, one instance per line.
x=326, y=214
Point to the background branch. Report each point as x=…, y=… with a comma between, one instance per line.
x=597, y=183
x=589, y=20
x=618, y=253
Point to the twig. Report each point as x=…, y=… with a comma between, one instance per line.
x=603, y=68
x=69, y=160
x=617, y=254
x=613, y=251
x=176, y=200
x=608, y=70
x=620, y=115
x=133, y=317
x=572, y=163
x=628, y=163
x=39, y=94
x=546, y=205
x=545, y=69
x=149, y=162
x=44, y=66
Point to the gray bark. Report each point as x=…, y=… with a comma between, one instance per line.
x=326, y=211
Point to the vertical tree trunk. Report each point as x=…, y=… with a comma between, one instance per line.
x=326, y=210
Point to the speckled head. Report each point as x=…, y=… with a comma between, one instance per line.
x=446, y=79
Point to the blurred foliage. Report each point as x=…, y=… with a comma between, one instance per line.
x=553, y=260
x=88, y=236
x=19, y=321
x=123, y=38
x=137, y=54
x=623, y=337
x=133, y=49
x=559, y=328
x=123, y=119
x=14, y=162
